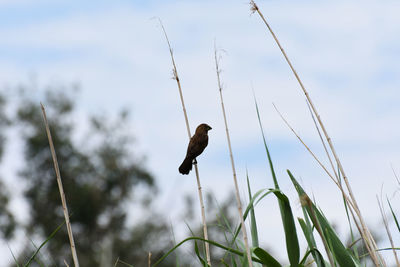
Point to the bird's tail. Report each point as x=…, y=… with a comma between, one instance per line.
x=186, y=166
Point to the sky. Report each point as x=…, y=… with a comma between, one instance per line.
x=347, y=54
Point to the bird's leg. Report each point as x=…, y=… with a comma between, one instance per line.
x=194, y=161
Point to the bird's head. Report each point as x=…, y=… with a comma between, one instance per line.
x=203, y=128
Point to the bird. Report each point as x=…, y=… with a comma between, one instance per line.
x=197, y=144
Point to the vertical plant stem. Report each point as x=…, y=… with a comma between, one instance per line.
x=149, y=260
x=365, y=233
x=203, y=216
x=323, y=143
x=239, y=203
x=60, y=188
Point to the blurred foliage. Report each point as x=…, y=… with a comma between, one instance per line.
x=7, y=220
x=104, y=181
x=222, y=220
x=100, y=175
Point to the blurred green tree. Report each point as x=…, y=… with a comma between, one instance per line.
x=100, y=174
x=7, y=220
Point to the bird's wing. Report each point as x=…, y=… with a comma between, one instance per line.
x=197, y=145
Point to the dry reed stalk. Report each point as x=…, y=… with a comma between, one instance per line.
x=337, y=182
x=308, y=148
x=60, y=188
x=199, y=189
x=239, y=203
x=323, y=143
x=385, y=222
x=365, y=233
x=149, y=260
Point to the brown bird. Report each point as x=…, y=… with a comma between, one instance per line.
x=196, y=146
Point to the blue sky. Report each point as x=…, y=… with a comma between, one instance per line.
x=346, y=52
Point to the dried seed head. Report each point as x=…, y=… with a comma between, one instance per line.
x=253, y=6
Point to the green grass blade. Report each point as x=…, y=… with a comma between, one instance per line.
x=336, y=247
x=192, y=232
x=339, y=251
x=312, y=251
x=319, y=260
x=12, y=253
x=266, y=147
x=394, y=215
x=235, y=264
x=44, y=243
x=266, y=258
x=36, y=258
x=253, y=223
x=203, y=261
x=234, y=251
x=351, y=228
x=252, y=204
x=292, y=242
x=244, y=262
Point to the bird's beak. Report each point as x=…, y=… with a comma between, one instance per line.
x=209, y=128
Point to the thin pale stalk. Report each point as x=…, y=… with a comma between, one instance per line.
x=61, y=189
x=395, y=174
x=239, y=203
x=385, y=222
x=367, y=237
x=346, y=197
x=323, y=142
x=203, y=213
x=309, y=150
x=339, y=184
x=149, y=260
x=176, y=77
